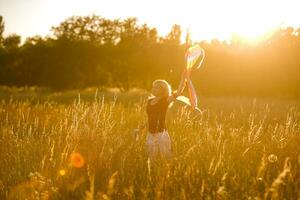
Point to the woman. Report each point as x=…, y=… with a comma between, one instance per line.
x=158, y=142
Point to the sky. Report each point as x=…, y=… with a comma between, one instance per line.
x=206, y=19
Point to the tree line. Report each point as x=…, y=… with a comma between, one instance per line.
x=85, y=51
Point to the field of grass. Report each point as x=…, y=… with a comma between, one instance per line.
x=80, y=145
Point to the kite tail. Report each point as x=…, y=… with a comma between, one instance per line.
x=202, y=59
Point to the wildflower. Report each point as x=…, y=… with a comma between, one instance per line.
x=77, y=160
x=272, y=158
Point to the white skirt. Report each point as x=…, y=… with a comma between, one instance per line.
x=158, y=144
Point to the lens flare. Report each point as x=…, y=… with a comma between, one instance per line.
x=62, y=172
x=77, y=160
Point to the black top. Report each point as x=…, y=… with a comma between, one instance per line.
x=156, y=115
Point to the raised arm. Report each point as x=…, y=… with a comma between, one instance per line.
x=180, y=88
x=182, y=83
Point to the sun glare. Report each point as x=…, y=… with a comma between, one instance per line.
x=251, y=35
x=252, y=21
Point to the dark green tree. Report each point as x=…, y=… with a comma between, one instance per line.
x=12, y=42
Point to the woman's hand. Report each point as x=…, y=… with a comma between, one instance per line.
x=137, y=132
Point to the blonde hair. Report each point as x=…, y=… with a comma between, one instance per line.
x=166, y=87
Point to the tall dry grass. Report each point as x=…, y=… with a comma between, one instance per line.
x=239, y=148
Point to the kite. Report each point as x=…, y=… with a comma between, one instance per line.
x=194, y=58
